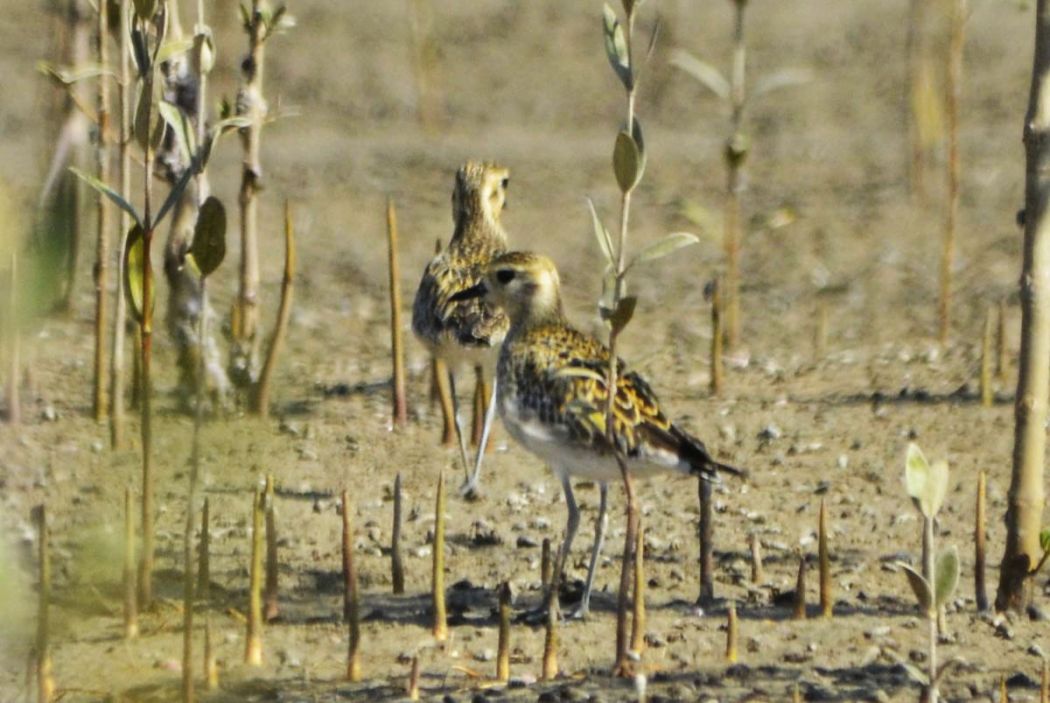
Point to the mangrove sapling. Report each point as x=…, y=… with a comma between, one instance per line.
x=261, y=392
x=503, y=645
x=799, y=609
x=351, y=597
x=734, y=94
x=42, y=653
x=714, y=291
x=927, y=486
x=824, y=558
x=707, y=546
x=412, y=688
x=440, y=624
x=261, y=22
x=550, y=635
x=102, y=261
x=616, y=307
x=1024, y=514
x=205, y=255
x=757, y=574
x=253, y=640
x=270, y=606
x=400, y=408
x=120, y=306
x=979, y=541
x=987, y=393
x=732, y=627
x=397, y=565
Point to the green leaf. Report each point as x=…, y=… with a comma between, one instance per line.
x=134, y=254
x=180, y=124
x=626, y=162
x=784, y=78
x=639, y=141
x=662, y=247
x=927, y=485
x=708, y=76
x=946, y=575
x=174, y=194
x=173, y=48
x=622, y=315
x=139, y=52
x=203, y=51
x=919, y=586
x=1044, y=540
x=69, y=76
x=602, y=235
x=209, y=236
x=109, y=193
x=143, y=115
x=616, y=47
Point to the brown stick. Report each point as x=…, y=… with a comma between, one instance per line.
x=717, y=332
x=799, y=612
x=979, y=537
x=14, y=402
x=204, y=555
x=638, y=616
x=826, y=604
x=953, y=89
x=271, y=607
x=448, y=432
x=440, y=628
x=987, y=396
x=252, y=107
x=397, y=566
x=253, y=642
x=757, y=575
x=211, y=666
x=261, y=399
x=735, y=155
x=44, y=678
x=622, y=666
x=503, y=648
x=707, y=562
x=120, y=307
x=131, y=616
x=1025, y=497
x=550, y=636
x=412, y=689
x=351, y=610
x=1004, y=696
x=731, y=634
x=400, y=406
x=101, y=371
x=545, y=563
x=1000, y=342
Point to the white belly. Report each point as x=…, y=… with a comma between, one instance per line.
x=551, y=444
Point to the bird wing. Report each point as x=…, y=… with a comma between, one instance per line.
x=471, y=322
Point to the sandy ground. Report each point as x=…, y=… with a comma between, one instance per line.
x=527, y=84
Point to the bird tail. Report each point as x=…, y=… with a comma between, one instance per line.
x=701, y=463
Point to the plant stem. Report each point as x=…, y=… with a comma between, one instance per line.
x=734, y=154
x=732, y=628
x=799, y=612
x=931, y=615
x=1025, y=498
x=503, y=646
x=261, y=396
x=131, y=617
x=101, y=370
x=270, y=607
x=397, y=566
x=826, y=601
x=204, y=566
x=440, y=629
x=717, y=332
x=351, y=608
x=757, y=576
x=45, y=680
x=987, y=396
x=979, y=537
x=116, y=395
x=146, y=558
x=707, y=561
x=396, y=343
x=253, y=642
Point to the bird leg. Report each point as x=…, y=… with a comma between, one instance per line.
x=459, y=428
x=600, y=525
x=470, y=489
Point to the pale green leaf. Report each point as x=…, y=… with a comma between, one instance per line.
x=708, y=76
x=626, y=162
x=134, y=255
x=173, y=48
x=937, y=488
x=784, y=78
x=919, y=586
x=209, y=236
x=1044, y=540
x=109, y=193
x=601, y=234
x=946, y=575
x=616, y=47
x=181, y=126
x=667, y=244
x=916, y=474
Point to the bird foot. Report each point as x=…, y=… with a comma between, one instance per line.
x=471, y=490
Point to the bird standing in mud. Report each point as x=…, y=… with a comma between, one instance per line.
x=552, y=382
x=466, y=331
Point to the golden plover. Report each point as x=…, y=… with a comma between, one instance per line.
x=553, y=391
x=466, y=331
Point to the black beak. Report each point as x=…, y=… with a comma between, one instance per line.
x=473, y=292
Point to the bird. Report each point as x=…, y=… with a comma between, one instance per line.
x=466, y=331
x=552, y=394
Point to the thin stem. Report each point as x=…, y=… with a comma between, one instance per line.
x=928, y=568
x=101, y=381
x=116, y=410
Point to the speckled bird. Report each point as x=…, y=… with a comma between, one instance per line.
x=466, y=331
x=553, y=390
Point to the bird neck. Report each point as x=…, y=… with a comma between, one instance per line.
x=543, y=308
x=477, y=221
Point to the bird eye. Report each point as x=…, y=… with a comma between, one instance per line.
x=505, y=276
x=505, y=183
